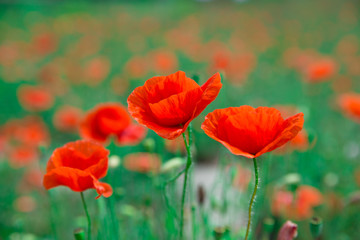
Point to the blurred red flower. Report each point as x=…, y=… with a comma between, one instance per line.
x=137, y=67
x=67, y=119
x=320, y=70
x=119, y=85
x=236, y=66
x=301, y=141
x=78, y=165
x=349, y=104
x=30, y=131
x=25, y=204
x=176, y=145
x=242, y=178
x=111, y=120
x=44, y=43
x=142, y=162
x=167, y=104
x=97, y=70
x=22, y=155
x=251, y=132
x=35, y=98
x=9, y=53
x=357, y=176
x=163, y=61
x=296, y=206
x=32, y=179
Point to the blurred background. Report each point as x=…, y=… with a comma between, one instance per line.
x=59, y=59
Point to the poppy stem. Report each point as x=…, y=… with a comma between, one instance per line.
x=187, y=168
x=87, y=214
x=252, y=198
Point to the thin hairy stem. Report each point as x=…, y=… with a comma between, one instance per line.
x=187, y=168
x=87, y=214
x=252, y=198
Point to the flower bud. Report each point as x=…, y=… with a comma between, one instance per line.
x=288, y=231
x=268, y=224
x=114, y=161
x=221, y=233
x=149, y=144
x=79, y=234
x=292, y=180
x=172, y=164
x=201, y=194
x=316, y=225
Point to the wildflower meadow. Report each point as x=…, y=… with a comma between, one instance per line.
x=180, y=120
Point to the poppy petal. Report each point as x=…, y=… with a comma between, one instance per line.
x=75, y=179
x=103, y=189
x=211, y=89
x=211, y=126
x=291, y=127
x=81, y=155
x=175, y=109
x=132, y=135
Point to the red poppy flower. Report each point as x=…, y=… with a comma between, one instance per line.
x=30, y=131
x=119, y=85
x=111, y=119
x=142, y=162
x=22, y=155
x=97, y=70
x=32, y=179
x=175, y=145
x=350, y=105
x=137, y=67
x=25, y=204
x=168, y=104
x=34, y=98
x=163, y=61
x=236, y=66
x=251, y=132
x=9, y=53
x=67, y=118
x=320, y=71
x=296, y=206
x=78, y=165
x=45, y=43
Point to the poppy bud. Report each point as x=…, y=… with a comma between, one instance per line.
x=201, y=195
x=354, y=198
x=331, y=179
x=233, y=172
x=268, y=224
x=79, y=234
x=149, y=144
x=312, y=136
x=288, y=231
x=172, y=164
x=292, y=180
x=221, y=233
x=42, y=149
x=316, y=226
x=114, y=161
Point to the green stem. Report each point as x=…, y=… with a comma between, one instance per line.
x=252, y=198
x=87, y=214
x=187, y=168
